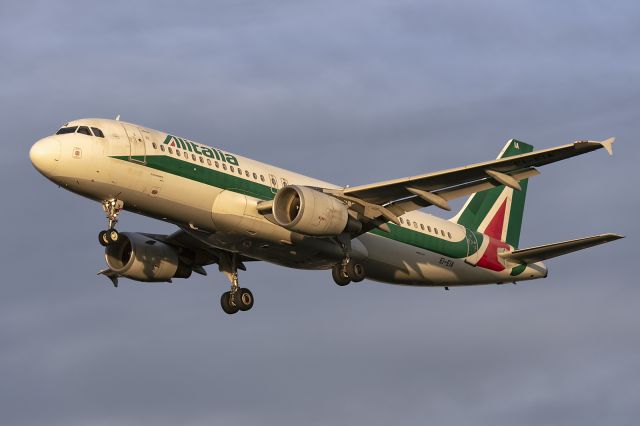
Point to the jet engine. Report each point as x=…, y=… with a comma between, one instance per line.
x=141, y=258
x=310, y=212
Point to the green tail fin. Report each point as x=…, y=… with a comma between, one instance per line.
x=498, y=211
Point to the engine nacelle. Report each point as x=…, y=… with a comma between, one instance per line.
x=141, y=258
x=309, y=212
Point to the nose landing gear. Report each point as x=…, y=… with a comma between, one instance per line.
x=112, y=208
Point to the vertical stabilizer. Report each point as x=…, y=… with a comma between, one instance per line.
x=498, y=211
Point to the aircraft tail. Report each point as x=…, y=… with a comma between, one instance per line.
x=498, y=211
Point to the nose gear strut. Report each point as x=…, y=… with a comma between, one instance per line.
x=112, y=208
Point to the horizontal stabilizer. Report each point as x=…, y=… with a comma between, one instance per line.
x=548, y=251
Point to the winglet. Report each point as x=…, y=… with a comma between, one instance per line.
x=608, y=145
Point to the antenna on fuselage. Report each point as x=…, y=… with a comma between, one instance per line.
x=118, y=117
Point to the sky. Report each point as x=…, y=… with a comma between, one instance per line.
x=352, y=93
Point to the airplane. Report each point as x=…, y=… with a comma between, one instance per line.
x=232, y=210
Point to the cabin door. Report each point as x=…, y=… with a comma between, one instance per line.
x=137, y=151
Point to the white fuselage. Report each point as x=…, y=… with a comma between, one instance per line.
x=215, y=194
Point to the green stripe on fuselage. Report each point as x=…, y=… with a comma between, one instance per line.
x=240, y=185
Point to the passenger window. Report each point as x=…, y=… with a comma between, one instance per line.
x=97, y=132
x=178, y=152
x=65, y=130
x=262, y=178
x=84, y=130
x=422, y=226
x=208, y=161
x=162, y=148
x=240, y=172
x=171, y=150
x=233, y=169
x=202, y=160
x=436, y=230
x=193, y=157
x=255, y=176
x=224, y=166
x=401, y=221
x=442, y=232
x=415, y=225
x=246, y=173
x=429, y=228
x=408, y=222
x=449, y=235
x=154, y=145
x=216, y=164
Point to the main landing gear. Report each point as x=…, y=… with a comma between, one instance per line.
x=237, y=298
x=111, y=209
x=348, y=271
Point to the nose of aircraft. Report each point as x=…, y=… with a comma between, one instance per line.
x=45, y=155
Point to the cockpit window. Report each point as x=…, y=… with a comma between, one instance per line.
x=97, y=132
x=84, y=130
x=65, y=130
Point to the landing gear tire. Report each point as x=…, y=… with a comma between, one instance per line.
x=339, y=275
x=355, y=271
x=113, y=236
x=227, y=306
x=103, y=238
x=244, y=299
x=110, y=236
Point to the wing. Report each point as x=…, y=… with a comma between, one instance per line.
x=398, y=196
x=194, y=250
x=196, y=242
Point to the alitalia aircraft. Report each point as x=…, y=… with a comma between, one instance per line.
x=231, y=210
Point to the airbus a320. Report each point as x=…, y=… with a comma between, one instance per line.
x=231, y=210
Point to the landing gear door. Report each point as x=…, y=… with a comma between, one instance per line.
x=137, y=153
x=473, y=252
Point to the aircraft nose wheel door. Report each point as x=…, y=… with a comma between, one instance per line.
x=137, y=152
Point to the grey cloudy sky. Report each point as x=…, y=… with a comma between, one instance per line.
x=350, y=92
